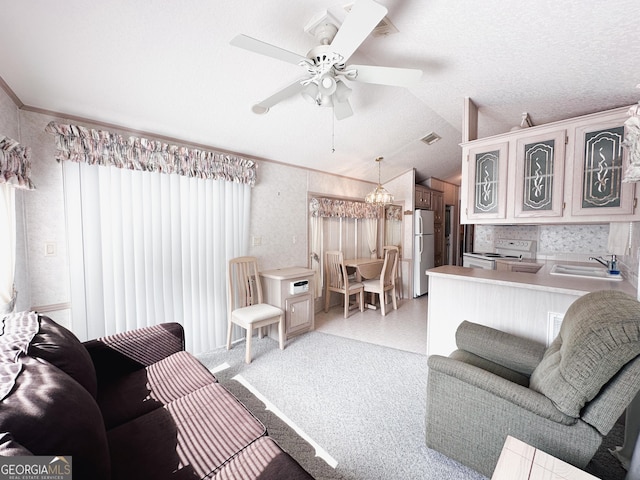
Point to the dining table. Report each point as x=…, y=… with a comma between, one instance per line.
x=366, y=268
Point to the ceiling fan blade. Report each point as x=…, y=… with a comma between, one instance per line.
x=342, y=110
x=283, y=94
x=399, y=77
x=358, y=24
x=258, y=46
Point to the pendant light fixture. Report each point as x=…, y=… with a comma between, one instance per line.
x=379, y=195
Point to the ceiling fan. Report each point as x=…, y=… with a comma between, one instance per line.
x=324, y=83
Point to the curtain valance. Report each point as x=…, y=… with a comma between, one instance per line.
x=330, y=207
x=15, y=164
x=632, y=143
x=394, y=212
x=100, y=147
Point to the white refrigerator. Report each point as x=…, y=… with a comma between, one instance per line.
x=423, y=250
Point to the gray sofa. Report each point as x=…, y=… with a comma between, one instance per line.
x=563, y=399
x=128, y=406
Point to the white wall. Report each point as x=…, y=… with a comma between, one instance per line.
x=48, y=275
x=280, y=210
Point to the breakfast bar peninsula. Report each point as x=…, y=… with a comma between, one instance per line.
x=530, y=305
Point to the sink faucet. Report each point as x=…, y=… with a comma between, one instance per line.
x=612, y=265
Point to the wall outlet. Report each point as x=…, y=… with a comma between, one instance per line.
x=256, y=240
x=554, y=322
x=50, y=249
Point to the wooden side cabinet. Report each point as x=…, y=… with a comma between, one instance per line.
x=437, y=205
x=291, y=289
x=298, y=314
x=438, y=245
x=422, y=197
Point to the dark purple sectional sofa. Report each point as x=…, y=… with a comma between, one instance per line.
x=128, y=406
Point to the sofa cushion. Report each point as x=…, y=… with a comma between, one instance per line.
x=16, y=332
x=600, y=333
x=263, y=460
x=60, y=347
x=10, y=448
x=143, y=390
x=49, y=413
x=190, y=437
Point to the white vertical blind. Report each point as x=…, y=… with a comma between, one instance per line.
x=347, y=235
x=148, y=248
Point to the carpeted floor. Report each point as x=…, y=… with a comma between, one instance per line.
x=358, y=405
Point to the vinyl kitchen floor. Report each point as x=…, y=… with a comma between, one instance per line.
x=404, y=329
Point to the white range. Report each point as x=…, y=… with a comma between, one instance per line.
x=504, y=249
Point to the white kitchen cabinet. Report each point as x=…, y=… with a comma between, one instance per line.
x=486, y=168
x=292, y=290
x=563, y=172
x=600, y=162
x=539, y=179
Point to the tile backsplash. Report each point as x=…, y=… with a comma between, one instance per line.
x=575, y=239
x=551, y=240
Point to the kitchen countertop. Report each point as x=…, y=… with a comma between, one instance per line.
x=542, y=280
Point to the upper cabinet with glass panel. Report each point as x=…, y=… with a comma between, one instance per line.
x=486, y=168
x=563, y=172
x=539, y=175
x=598, y=188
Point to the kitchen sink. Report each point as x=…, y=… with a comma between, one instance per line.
x=580, y=271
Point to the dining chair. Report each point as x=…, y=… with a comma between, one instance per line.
x=245, y=307
x=398, y=273
x=337, y=280
x=387, y=281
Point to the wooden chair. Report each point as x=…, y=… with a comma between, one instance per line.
x=398, y=274
x=337, y=280
x=387, y=281
x=245, y=303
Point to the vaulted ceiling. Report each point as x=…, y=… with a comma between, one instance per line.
x=166, y=67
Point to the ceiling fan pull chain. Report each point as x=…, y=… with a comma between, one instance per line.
x=333, y=132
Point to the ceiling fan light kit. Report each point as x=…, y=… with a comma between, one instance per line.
x=326, y=63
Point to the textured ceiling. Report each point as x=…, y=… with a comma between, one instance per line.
x=166, y=67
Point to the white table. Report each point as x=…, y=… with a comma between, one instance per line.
x=520, y=461
x=366, y=268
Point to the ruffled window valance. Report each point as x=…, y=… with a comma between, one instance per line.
x=632, y=143
x=330, y=207
x=15, y=164
x=394, y=212
x=100, y=147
